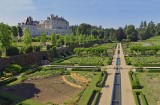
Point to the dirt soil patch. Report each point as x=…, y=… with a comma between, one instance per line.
x=52, y=89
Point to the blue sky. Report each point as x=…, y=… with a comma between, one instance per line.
x=108, y=13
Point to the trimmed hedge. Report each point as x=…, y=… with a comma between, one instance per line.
x=134, y=82
x=7, y=81
x=142, y=96
x=102, y=79
x=86, y=69
x=94, y=98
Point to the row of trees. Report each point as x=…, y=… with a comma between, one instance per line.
x=129, y=32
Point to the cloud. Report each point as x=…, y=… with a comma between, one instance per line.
x=16, y=5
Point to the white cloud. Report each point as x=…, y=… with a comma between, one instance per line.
x=16, y=5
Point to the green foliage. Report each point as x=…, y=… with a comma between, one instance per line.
x=7, y=81
x=131, y=33
x=13, y=68
x=53, y=39
x=14, y=31
x=142, y=97
x=91, y=51
x=11, y=51
x=102, y=79
x=6, y=37
x=86, y=69
x=43, y=38
x=27, y=38
x=134, y=80
x=87, y=93
x=28, y=49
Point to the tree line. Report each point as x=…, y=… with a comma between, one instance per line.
x=128, y=33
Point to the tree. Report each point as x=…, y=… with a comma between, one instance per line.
x=27, y=37
x=53, y=38
x=6, y=37
x=43, y=38
x=84, y=29
x=120, y=34
x=151, y=28
x=95, y=32
x=14, y=31
x=131, y=33
x=158, y=29
x=19, y=30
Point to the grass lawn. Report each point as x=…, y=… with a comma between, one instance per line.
x=151, y=83
x=88, y=60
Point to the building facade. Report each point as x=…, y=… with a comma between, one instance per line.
x=55, y=24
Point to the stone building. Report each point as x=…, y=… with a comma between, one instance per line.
x=55, y=24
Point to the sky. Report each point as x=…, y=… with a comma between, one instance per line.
x=108, y=13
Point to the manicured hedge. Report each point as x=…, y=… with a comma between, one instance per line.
x=102, y=79
x=4, y=82
x=86, y=69
x=142, y=96
x=134, y=82
x=151, y=65
x=94, y=98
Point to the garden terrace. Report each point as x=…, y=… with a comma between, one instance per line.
x=38, y=86
x=150, y=83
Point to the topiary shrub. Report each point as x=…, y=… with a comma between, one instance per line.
x=13, y=68
x=12, y=51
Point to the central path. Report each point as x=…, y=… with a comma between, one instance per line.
x=126, y=89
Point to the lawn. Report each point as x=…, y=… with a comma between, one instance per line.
x=151, y=89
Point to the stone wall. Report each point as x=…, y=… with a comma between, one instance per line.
x=37, y=57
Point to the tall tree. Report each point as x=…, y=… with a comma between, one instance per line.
x=151, y=28
x=27, y=37
x=120, y=34
x=131, y=33
x=6, y=37
x=158, y=29
x=84, y=29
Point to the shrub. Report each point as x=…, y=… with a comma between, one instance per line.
x=12, y=51
x=4, y=82
x=37, y=48
x=28, y=49
x=13, y=68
